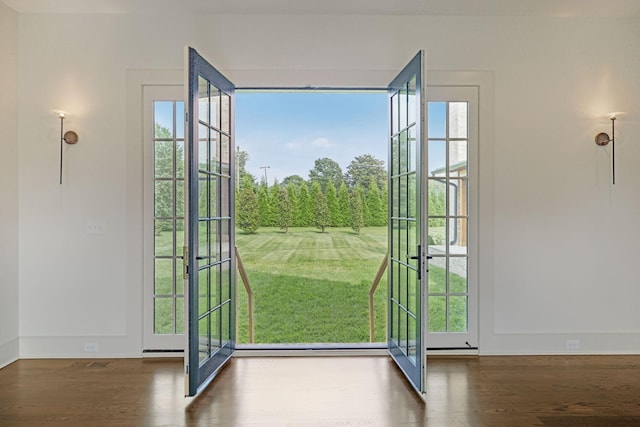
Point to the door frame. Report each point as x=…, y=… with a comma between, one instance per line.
x=137, y=79
x=451, y=341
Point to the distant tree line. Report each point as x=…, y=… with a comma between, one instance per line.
x=329, y=198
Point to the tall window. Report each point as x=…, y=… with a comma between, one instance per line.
x=168, y=185
x=448, y=180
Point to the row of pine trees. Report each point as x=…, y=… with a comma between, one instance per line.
x=309, y=206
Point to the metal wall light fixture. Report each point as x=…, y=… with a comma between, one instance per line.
x=70, y=137
x=603, y=139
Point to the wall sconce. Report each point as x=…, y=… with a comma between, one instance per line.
x=70, y=137
x=603, y=139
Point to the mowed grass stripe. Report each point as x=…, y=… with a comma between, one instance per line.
x=312, y=287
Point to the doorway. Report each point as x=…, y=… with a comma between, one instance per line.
x=164, y=239
x=311, y=215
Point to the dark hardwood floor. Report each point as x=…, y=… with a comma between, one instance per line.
x=332, y=391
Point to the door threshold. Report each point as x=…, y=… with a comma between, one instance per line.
x=313, y=350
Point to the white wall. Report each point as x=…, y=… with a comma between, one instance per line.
x=559, y=242
x=8, y=186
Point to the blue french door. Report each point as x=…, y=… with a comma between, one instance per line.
x=210, y=296
x=407, y=272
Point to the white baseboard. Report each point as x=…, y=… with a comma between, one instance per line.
x=79, y=347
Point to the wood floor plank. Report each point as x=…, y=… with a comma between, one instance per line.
x=550, y=391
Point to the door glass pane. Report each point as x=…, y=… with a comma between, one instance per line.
x=437, y=158
x=404, y=158
x=164, y=199
x=214, y=320
x=437, y=275
x=458, y=127
x=412, y=106
x=458, y=158
x=163, y=119
x=163, y=234
x=163, y=276
x=437, y=119
x=436, y=236
x=163, y=159
x=225, y=154
x=458, y=236
x=203, y=334
x=179, y=315
x=215, y=107
x=180, y=159
x=395, y=151
x=412, y=149
x=225, y=113
x=411, y=342
x=179, y=270
x=203, y=291
x=179, y=106
x=437, y=198
x=458, y=313
x=414, y=293
x=395, y=116
x=163, y=316
x=412, y=207
x=203, y=195
x=437, y=313
x=203, y=100
x=402, y=104
x=179, y=202
x=226, y=323
x=458, y=275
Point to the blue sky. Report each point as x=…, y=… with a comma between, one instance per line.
x=288, y=131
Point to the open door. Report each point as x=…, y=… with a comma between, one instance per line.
x=209, y=261
x=407, y=272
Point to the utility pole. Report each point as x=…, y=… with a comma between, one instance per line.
x=265, y=174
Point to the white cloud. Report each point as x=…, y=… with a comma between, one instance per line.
x=322, y=143
x=292, y=145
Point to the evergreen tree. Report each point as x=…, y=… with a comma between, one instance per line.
x=375, y=217
x=293, y=198
x=321, y=212
x=243, y=177
x=264, y=205
x=363, y=202
x=357, y=211
x=304, y=211
x=344, y=206
x=273, y=204
x=247, y=214
x=315, y=189
x=332, y=204
x=285, y=209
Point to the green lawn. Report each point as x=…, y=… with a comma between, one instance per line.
x=312, y=287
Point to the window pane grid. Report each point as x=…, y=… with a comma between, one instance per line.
x=168, y=167
x=448, y=216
